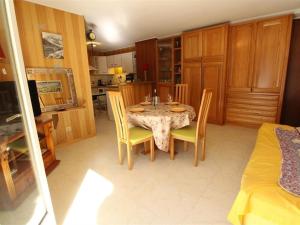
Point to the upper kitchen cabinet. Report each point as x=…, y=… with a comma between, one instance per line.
x=192, y=45
x=146, y=59
x=241, y=55
x=271, y=54
x=101, y=64
x=214, y=43
x=127, y=62
x=114, y=61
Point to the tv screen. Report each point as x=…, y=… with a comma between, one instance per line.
x=9, y=102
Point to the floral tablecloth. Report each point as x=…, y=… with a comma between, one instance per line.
x=161, y=120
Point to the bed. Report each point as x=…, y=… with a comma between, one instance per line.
x=261, y=201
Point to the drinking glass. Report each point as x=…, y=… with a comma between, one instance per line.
x=170, y=98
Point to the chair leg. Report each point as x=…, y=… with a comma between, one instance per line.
x=129, y=156
x=120, y=152
x=185, y=146
x=196, y=154
x=152, y=150
x=203, y=149
x=171, y=148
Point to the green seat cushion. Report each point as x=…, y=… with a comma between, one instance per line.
x=138, y=134
x=187, y=133
x=19, y=145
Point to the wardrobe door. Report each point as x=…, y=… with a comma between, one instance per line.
x=192, y=45
x=240, y=57
x=271, y=54
x=214, y=43
x=213, y=78
x=192, y=77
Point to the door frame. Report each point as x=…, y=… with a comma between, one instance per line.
x=27, y=112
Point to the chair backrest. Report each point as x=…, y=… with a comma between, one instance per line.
x=119, y=112
x=128, y=95
x=203, y=112
x=181, y=93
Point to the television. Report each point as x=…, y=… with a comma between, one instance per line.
x=9, y=104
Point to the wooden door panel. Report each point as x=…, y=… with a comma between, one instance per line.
x=192, y=77
x=241, y=56
x=270, y=54
x=214, y=43
x=192, y=45
x=213, y=78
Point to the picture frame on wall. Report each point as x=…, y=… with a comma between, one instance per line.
x=52, y=45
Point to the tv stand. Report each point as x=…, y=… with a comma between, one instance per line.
x=16, y=174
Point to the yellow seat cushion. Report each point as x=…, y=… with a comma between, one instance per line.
x=138, y=134
x=187, y=133
x=19, y=145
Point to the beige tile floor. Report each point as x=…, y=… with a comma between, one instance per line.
x=90, y=187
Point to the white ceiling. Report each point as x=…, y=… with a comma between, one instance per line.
x=120, y=23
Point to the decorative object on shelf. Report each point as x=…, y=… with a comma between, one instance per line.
x=145, y=69
x=2, y=56
x=53, y=45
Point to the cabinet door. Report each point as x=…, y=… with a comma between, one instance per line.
x=214, y=43
x=192, y=77
x=241, y=56
x=110, y=61
x=117, y=60
x=127, y=62
x=192, y=45
x=101, y=64
x=213, y=78
x=272, y=44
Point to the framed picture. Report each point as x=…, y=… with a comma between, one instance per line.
x=53, y=45
x=47, y=87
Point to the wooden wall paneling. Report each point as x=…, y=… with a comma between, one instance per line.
x=192, y=77
x=146, y=52
x=272, y=44
x=241, y=49
x=32, y=20
x=213, y=78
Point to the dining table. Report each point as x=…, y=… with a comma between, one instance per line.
x=161, y=118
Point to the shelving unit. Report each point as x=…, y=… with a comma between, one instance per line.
x=168, y=65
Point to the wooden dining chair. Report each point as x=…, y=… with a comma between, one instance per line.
x=181, y=93
x=129, y=136
x=127, y=94
x=193, y=134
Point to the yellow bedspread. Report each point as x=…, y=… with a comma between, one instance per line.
x=261, y=201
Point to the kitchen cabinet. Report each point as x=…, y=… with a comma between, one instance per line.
x=257, y=61
x=127, y=62
x=101, y=64
x=204, y=57
x=114, y=61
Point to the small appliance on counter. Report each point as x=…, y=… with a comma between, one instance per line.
x=129, y=77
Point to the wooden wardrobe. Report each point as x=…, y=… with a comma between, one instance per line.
x=204, y=54
x=257, y=62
